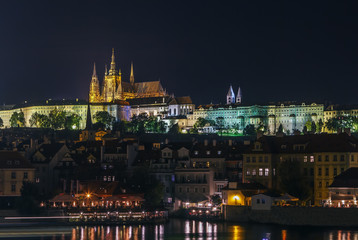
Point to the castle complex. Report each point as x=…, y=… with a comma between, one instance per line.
x=124, y=99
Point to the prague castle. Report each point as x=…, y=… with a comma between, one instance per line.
x=113, y=88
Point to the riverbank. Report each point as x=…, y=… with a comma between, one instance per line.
x=294, y=216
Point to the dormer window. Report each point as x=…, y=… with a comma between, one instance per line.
x=207, y=152
x=196, y=152
x=219, y=152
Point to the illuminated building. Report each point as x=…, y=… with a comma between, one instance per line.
x=119, y=110
x=114, y=89
x=14, y=170
x=320, y=158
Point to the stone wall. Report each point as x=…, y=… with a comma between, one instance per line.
x=298, y=216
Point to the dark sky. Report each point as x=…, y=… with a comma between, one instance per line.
x=287, y=50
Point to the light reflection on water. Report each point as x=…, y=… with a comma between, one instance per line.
x=181, y=229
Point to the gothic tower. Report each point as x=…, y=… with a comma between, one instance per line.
x=94, y=95
x=230, y=97
x=239, y=96
x=112, y=80
x=131, y=78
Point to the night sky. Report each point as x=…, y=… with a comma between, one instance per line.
x=303, y=51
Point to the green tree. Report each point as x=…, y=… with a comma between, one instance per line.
x=280, y=129
x=216, y=200
x=320, y=125
x=308, y=124
x=72, y=121
x=34, y=120
x=200, y=122
x=193, y=130
x=44, y=121
x=57, y=118
x=292, y=181
x=17, y=119
x=174, y=129
x=249, y=130
x=105, y=118
x=1, y=122
x=313, y=127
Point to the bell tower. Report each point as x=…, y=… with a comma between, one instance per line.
x=94, y=95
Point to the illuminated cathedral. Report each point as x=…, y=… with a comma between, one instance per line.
x=114, y=89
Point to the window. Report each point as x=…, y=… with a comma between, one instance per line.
x=187, y=189
x=327, y=158
x=253, y=159
x=26, y=175
x=196, y=152
x=207, y=152
x=334, y=171
x=335, y=158
x=327, y=184
x=352, y=158
x=203, y=190
x=13, y=175
x=266, y=172
x=319, y=158
x=266, y=159
x=254, y=172
x=320, y=184
x=274, y=171
x=196, y=189
x=311, y=171
x=247, y=172
x=260, y=171
x=305, y=159
x=37, y=180
x=258, y=201
x=260, y=159
x=13, y=187
x=311, y=158
x=319, y=171
x=327, y=172
x=342, y=158
x=247, y=159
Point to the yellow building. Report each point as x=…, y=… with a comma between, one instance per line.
x=240, y=193
x=14, y=170
x=321, y=157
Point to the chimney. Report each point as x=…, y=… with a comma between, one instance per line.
x=214, y=142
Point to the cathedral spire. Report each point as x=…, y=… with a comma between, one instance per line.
x=94, y=70
x=230, y=97
x=131, y=78
x=239, y=96
x=112, y=70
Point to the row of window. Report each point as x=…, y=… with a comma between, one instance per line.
x=326, y=171
x=13, y=175
x=261, y=172
x=196, y=190
x=259, y=159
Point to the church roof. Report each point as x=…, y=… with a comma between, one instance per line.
x=149, y=100
x=148, y=87
x=181, y=100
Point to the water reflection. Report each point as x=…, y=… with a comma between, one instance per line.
x=181, y=229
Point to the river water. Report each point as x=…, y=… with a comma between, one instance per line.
x=181, y=229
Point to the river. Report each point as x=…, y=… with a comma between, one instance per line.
x=181, y=229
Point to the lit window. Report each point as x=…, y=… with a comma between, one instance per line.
x=260, y=171
x=311, y=158
x=305, y=159
x=247, y=172
x=254, y=172
x=266, y=172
